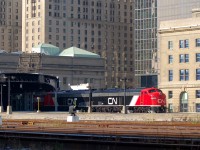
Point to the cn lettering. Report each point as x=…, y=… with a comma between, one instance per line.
x=112, y=100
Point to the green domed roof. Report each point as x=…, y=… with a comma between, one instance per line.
x=46, y=49
x=77, y=52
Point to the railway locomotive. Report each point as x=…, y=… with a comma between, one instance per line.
x=145, y=100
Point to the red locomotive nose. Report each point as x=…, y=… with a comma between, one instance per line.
x=162, y=99
x=158, y=98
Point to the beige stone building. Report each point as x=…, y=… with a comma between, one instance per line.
x=180, y=63
x=104, y=27
x=10, y=25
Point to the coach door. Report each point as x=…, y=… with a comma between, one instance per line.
x=184, y=102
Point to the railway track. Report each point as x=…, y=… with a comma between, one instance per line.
x=162, y=129
x=182, y=134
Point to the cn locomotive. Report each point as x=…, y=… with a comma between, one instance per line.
x=112, y=100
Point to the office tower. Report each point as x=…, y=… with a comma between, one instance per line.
x=10, y=25
x=104, y=27
x=145, y=33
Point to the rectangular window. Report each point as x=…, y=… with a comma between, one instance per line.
x=197, y=42
x=197, y=74
x=170, y=59
x=197, y=107
x=183, y=58
x=85, y=80
x=170, y=45
x=184, y=43
x=184, y=75
x=170, y=75
x=186, y=58
x=198, y=57
x=64, y=80
x=170, y=94
x=197, y=93
x=64, y=45
x=181, y=43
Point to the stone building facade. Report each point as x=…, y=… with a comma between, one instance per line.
x=104, y=27
x=10, y=25
x=180, y=63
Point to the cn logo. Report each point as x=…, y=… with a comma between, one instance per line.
x=161, y=101
x=112, y=100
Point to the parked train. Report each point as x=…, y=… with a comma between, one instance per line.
x=135, y=100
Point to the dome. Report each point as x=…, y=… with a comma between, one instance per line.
x=77, y=52
x=46, y=49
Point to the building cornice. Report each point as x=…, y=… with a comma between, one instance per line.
x=179, y=29
x=187, y=85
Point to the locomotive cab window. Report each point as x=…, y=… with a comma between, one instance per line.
x=144, y=92
x=152, y=91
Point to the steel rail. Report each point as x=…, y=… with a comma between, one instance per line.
x=108, y=128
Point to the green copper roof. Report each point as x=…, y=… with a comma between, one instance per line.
x=77, y=52
x=46, y=49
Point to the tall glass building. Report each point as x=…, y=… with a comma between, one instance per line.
x=146, y=63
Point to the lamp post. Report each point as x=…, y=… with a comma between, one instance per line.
x=38, y=98
x=3, y=78
x=56, y=94
x=9, y=107
x=1, y=107
x=90, y=100
x=124, y=110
